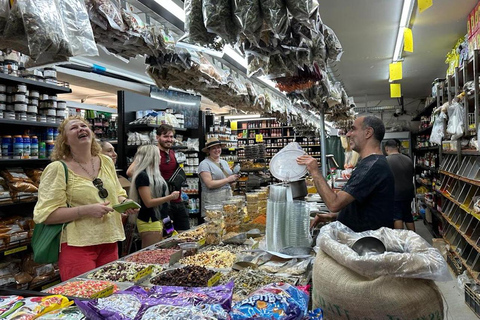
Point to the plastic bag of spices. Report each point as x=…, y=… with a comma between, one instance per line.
x=275, y=17
x=248, y=18
x=300, y=10
x=217, y=18
x=195, y=31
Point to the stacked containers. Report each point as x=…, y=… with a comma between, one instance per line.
x=215, y=224
x=298, y=224
x=275, y=234
x=231, y=215
x=252, y=205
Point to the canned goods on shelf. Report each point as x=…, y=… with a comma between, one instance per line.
x=22, y=116
x=17, y=147
x=42, y=150
x=42, y=118
x=31, y=117
x=33, y=101
x=20, y=107
x=50, y=73
x=34, y=94
x=10, y=67
x=9, y=115
x=31, y=108
x=7, y=147
x=20, y=88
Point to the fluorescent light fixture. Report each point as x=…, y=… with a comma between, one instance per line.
x=404, y=22
x=176, y=102
x=173, y=8
x=243, y=117
x=269, y=83
x=228, y=50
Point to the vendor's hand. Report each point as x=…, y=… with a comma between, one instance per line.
x=323, y=217
x=309, y=161
x=174, y=195
x=98, y=210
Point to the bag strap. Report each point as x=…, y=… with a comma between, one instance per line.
x=223, y=170
x=66, y=171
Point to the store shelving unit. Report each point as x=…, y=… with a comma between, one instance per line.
x=128, y=104
x=17, y=207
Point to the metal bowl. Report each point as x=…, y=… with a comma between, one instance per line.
x=370, y=245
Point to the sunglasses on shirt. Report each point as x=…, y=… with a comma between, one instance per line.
x=102, y=192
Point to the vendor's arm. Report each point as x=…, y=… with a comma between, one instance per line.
x=146, y=195
x=206, y=177
x=335, y=201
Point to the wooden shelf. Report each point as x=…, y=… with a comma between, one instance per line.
x=470, y=181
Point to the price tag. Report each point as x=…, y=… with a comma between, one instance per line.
x=15, y=250
x=142, y=274
x=102, y=294
x=233, y=125
x=201, y=242
x=213, y=280
x=232, y=149
x=259, y=137
x=51, y=284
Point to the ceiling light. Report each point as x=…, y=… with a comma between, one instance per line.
x=173, y=8
x=175, y=101
x=243, y=117
x=404, y=22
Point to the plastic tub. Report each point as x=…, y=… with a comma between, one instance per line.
x=189, y=248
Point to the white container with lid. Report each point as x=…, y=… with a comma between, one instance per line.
x=31, y=108
x=3, y=88
x=10, y=107
x=59, y=120
x=20, y=88
x=61, y=104
x=48, y=104
x=20, y=106
x=19, y=97
x=3, y=106
x=52, y=97
x=10, y=115
x=51, y=119
x=31, y=117
x=33, y=101
x=3, y=97
x=34, y=94
x=41, y=118
x=22, y=116
x=61, y=113
x=50, y=72
x=48, y=112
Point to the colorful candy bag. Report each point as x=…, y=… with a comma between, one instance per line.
x=274, y=301
x=16, y=307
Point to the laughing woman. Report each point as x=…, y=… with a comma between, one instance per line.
x=84, y=202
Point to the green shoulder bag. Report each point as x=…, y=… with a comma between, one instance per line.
x=46, y=238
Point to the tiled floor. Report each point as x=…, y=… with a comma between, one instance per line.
x=455, y=307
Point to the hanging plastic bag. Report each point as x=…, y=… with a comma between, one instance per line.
x=217, y=17
x=333, y=45
x=14, y=36
x=248, y=18
x=438, y=129
x=45, y=31
x=4, y=12
x=275, y=17
x=456, y=121
x=78, y=27
x=195, y=31
x=300, y=9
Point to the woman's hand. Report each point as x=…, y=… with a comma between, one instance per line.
x=174, y=195
x=232, y=178
x=97, y=210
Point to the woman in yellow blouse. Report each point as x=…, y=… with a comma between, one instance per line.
x=84, y=202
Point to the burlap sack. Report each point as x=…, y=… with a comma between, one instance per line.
x=345, y=295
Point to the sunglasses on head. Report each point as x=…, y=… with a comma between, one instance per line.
x=102, y=192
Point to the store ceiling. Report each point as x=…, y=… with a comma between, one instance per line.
x=367, y=30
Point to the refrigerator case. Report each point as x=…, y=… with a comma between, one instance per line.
x=405, y=139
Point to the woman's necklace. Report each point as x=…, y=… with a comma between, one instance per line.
x=93, y=168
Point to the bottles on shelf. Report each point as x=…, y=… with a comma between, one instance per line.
x=423, y=141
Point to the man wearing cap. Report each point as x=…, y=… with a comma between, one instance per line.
x=215, y=175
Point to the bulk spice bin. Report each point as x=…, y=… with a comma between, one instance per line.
x=208, y=268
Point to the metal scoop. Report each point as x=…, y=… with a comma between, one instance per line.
x=369, y=245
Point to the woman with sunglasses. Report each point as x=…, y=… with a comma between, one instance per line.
x=215, y=175
x=84, y=202
x=150, y=189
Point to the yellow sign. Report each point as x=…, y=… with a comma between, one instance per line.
x=396, y=71
x=395, y=90
x=15, y=250
x=102, y=294
x=143, y=273
x=424, y=5
x=259, y=137
x=407, y=40
x=233, y=125
x=213, y=280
